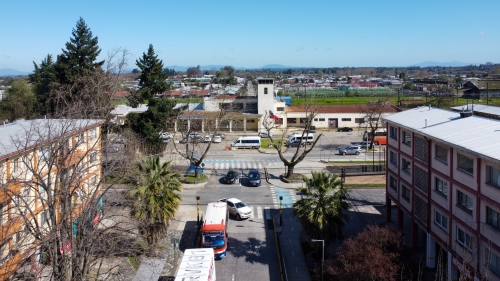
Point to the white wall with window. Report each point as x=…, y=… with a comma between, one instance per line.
x=440, y=158
x=440, y=225
x=490, y=219
x=406, y=167
x=393, y=161
x=440, y=188
x=405, y=142
x=405, y=196
x=463, y=238
x=393, y=136
x=490, y=258
x=465, y=169
x=463, y=204
x=490, y=173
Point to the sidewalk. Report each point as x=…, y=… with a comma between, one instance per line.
x=291, y=249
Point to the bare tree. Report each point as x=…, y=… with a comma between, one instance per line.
x=190, y=124
x=301, y=150
x=441, y=96
x=373, y=113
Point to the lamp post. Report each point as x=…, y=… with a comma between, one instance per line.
x=198, y=208
x=281, y=210
x=322, y=255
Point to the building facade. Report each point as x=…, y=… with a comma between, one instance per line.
x=36, y=158
x=443, y=175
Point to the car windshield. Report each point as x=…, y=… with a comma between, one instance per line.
x=253, y=175
x=240, y=205
x=231, y=174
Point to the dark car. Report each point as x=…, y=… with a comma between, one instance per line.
x=254, y=178
x=344, y=129
x=231, y=177
x=312, y=129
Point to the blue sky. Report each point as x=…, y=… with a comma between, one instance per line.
x=255, y=33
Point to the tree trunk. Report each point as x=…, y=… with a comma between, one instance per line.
x=290, y=169
x=197, y=172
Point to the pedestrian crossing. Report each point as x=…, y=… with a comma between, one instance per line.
x=239, y=164
x=260, y=212
x=288, y=197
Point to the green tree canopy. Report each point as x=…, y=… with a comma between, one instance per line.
x=79, y=56
x=152, y=79
x=156, y=196
x=41, y=79
x=18, y=101
x=322, y=209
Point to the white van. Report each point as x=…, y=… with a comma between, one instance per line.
x=243, y=142
x=309, y=138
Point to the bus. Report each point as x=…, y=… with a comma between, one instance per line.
x=380, y=136
x=251, y=142
x=197, y=264
x=214, y=229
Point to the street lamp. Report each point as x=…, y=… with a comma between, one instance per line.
x=198, y=208
x=281, y=210
x=322, y=255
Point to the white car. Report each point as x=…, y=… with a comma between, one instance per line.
x=207, y=139
x=216, y=139
x=237, y=208
x=166, y=137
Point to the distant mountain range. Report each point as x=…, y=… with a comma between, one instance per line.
x=13, y=72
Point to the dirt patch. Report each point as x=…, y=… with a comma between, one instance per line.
x=371, y=179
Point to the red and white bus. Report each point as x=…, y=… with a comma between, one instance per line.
x=380, y=136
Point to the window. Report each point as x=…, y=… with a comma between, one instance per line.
x=3, y=213
x=44, y=218
x=250, y=120
x=79, y=138
x=359, y=120
x=346, y=119
x=321, y=119
x=463, y=238
x=393, y=158
x=464, y=202
x=441, y=154
x=465, y=164
x=16, y=165
x=494, y=265
x=441, y=220
x=280, y=109
x=291, y=120
x=265, y=91
x=394, y=132
x=406, y=166
x=405, y=193
x=93, y=133
x=93, y=181
x=492, y=176
x=93, y=157
x=492, y=218
x=441, y=187
x=393, y=183
x=407, y=138
x=44, y=154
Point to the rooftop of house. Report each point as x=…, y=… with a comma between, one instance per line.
x=477, y=135
x=481, y=108
x=123, y=109
x=24, y=134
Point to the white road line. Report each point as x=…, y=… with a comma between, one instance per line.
x=259, y=212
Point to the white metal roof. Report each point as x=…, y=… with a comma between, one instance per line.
x=488, y=109
x=23, y=134
x=477, y=135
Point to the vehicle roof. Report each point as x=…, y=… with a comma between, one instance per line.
x=233, y=200
x=254, y=171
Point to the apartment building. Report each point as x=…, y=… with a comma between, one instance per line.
x=49, y=170
x=443, y=176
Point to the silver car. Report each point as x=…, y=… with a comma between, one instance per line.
x=351, y=150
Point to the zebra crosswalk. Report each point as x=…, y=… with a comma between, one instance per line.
x=287, y=195
x=260, y=212
x=239, y=164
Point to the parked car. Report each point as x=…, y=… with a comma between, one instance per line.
x=263, y=135
x=254, y=178
x=237, y=208
x=312, y=129
x=344, y=129
x=207, y=139
x=221, y=135
x=351, y=150
x=166, y=137
x=295, y=143
x=231, y=177
x=216, y=139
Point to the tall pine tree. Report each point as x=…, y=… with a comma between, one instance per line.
x=80, y=55
x=41, y=79
x=152, y=79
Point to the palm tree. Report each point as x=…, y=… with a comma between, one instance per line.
x=156, y=194
x=322, y=209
